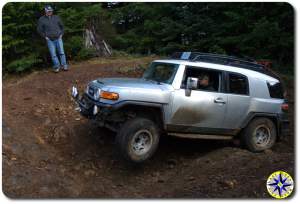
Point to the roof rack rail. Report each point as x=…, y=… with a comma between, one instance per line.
x=219, y=59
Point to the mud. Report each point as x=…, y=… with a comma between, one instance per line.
x=50, y=151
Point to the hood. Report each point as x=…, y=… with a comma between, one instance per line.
x=135, y=89
x=131, y=83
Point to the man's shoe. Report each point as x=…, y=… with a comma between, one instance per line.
x=56, y=70
x=65, y=68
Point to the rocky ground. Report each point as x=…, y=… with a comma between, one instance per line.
x=50, y=151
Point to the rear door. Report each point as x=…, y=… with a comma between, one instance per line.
x=238, y=99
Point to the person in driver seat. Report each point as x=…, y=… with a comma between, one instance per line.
x=204, y=83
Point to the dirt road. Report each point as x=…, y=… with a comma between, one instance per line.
x=50, y=151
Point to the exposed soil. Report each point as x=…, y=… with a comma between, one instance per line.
x=50, y=151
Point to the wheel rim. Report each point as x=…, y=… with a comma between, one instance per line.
x=262, y=135
x=141, y=142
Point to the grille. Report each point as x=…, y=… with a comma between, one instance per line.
x=93, y=92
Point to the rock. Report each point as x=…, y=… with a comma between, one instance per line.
x=27, y=98
x=60, y=159
x=229, y=183
x=47, y=121
x=89, y=172
x=40, y=140
x=199, y=160
x=236, y=142
x=171, y=167
x=58, y=134
x=191, y=178
x=268, y=151
x=38, y=110
x=42, y=164
x=160, y=180
x=77, y=167
x=171, y=162
x=62, y=170
x=13, y=158
x=6, y=132
x=155, y=174
x=97, y=165
x=186, y=164
x=77, y=119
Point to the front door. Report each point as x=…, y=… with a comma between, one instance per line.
x=204, y=109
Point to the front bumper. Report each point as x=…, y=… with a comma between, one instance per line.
x=95, y=110
x=86, y=106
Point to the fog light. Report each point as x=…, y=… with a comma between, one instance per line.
x=74, y=92
x=95, y=110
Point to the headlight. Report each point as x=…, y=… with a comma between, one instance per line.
x=93, y=92
x=109, y=95
x=96, y=94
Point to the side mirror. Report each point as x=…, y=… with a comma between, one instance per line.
x=192, y=83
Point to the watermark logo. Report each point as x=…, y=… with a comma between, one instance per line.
x=280, y=184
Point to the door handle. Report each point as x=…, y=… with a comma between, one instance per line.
x=219, y=100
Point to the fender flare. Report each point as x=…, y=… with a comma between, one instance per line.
x=122, y=104
x=252, y=115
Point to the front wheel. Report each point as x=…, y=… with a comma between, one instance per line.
x=259, y=135
x=138, y=139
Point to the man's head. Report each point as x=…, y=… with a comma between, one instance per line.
x=203, y=80
x=48, y=10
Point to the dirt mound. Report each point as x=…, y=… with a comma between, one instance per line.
x=50, y=151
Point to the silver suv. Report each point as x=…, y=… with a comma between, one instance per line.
x=190, y=95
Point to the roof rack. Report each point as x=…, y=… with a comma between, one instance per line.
x=219, y=59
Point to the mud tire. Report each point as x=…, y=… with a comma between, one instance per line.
x=127, y=139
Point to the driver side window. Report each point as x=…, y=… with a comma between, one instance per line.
x=208, y=80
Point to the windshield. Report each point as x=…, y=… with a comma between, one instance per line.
x=161, y=72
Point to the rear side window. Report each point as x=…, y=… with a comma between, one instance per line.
x=238, y=84
x=275, y=90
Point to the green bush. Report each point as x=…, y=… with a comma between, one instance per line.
x=25, y=63
x=85, y=53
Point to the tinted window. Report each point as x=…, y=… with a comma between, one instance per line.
x=238, y=84
x=275, y=90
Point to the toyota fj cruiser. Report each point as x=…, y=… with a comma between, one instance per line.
x=191, y=95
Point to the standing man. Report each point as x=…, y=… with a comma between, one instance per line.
x=51, y=28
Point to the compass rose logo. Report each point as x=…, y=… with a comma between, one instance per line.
x=280, y=184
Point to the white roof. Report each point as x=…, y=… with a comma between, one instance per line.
x=244, y=71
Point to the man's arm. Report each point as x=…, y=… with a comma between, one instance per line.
x=61, y=25
x=40, y=29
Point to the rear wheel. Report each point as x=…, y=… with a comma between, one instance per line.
x=138, y=139
x=259, y=135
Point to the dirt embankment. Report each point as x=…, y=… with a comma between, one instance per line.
x=50, y=151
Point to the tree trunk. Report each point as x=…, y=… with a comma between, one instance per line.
x=94, y=40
